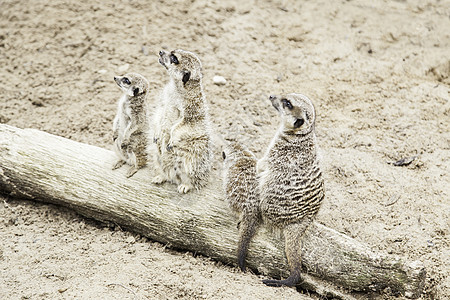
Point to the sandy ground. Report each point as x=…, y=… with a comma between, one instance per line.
x=377, y=71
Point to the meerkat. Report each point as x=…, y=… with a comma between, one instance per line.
x=131, y=124
x=289, y=180
x=240, y=185
x=182, y=128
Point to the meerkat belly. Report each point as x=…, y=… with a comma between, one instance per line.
x=190, y=157
x=289, y=198
x=120, y=138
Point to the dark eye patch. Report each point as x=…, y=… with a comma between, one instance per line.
x=126, y=81
x=287, y=103
x=174, y=59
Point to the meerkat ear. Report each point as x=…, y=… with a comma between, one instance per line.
x=133, y=91
x=299, y=122
x=186, y=76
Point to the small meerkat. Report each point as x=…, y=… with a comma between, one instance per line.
x=241, y=190
x=182, y=128
x=289, y=180
x=131, y=124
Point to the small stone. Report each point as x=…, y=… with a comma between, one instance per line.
x=37, y=102
x=123, y=68
x=131, y=240
x=102, y=71
x=219, y=80
x=279, y=77
x=404, y=161
x=145, y=50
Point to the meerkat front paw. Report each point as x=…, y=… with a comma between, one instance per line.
x=158, y=179
x=115, y=136
x=118, y=164
x=183, y=189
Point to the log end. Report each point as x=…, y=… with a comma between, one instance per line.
x=416, y=273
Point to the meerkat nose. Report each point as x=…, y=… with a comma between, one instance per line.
x=272, y=97
x=161, y=53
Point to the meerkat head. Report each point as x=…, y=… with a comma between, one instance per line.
x=182, y=65
x=235, y=151
x=132, y=83
x=297, y=112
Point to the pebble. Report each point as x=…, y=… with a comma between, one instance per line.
x=145, y=50
x=123, y=68
x=279, y=77
x=102, y=71
x=219, y=80
x=131, y=240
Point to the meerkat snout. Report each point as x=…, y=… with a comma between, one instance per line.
x=167, y=59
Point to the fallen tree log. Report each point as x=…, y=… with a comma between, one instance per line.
x=39, y=166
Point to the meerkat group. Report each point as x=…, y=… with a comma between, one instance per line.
x=180, y=128
x=284, y=189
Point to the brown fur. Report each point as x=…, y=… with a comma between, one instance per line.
x=240, y=184
x=290, y=185
x=131, y=124
x=182, y=129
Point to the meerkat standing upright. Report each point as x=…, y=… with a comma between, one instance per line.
x=241, y=190
x=131, y=124
x=182, y=129
x=290, y=183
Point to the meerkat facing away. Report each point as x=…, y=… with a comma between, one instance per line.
x=131, y=124
x=182, y=128
x=240, y=185
x=290, y=185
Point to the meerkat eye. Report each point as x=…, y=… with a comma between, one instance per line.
x=126, y=81
x=287, y=103
x=174, y=59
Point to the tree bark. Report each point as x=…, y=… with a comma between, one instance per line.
x=39, y=166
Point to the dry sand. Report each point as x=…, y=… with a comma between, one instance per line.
x=377, y=71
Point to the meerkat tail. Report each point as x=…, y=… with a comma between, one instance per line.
x=247, y=229
x=293, y=234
